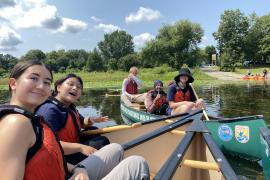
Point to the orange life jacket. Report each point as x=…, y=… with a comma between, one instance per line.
x=132, y=87
x=71, y=131
x=160, y=101
x=45, y=158
x=181, y=96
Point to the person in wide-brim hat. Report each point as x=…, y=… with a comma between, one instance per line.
x=184, y=72
x=180, y=96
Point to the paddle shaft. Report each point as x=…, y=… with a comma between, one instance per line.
x=122, y=127
x=196, y=96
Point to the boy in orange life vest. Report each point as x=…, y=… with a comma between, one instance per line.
x=156, y=99
x=180, y=95
x=130, y=87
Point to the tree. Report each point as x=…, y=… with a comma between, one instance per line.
x=77, y=58
x=261, y=31
x=231, y=34
x=209, y=51
x=175, y=44
x=95, y=62
x=116, y=45
x=34, y=54
x=126, y=62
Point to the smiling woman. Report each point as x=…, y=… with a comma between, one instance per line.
x=63, y=117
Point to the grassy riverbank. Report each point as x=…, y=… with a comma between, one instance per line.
x=113, y=79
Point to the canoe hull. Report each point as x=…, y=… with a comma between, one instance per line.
x=157, y=150
x=235, y=136
x=265, y=149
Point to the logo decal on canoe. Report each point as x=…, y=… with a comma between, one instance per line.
x=225, y=133
x=242, y=133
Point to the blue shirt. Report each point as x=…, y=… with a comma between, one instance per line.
x=54, y=115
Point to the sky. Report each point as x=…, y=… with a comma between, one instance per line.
x=80, y=24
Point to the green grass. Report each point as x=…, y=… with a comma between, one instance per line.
x=114, y=79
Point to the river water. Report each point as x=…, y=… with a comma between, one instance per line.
x=221, y=100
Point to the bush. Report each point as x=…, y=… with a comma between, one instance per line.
x=162, y=69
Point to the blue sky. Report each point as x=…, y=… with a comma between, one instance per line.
x=80, y=24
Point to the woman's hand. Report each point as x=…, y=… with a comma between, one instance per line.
x=101, y=119
x=87, y=150
x=79, y=174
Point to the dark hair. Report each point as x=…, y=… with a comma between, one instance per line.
x=63, y=79
x=20, y=67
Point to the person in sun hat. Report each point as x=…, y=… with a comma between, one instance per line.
x=180, y=96
x=156, y=99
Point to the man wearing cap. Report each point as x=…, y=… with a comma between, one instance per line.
x=156, y=99
x=180, y=96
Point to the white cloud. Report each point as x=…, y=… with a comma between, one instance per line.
x=6, y=3
x=72, y=26
x=34, y=3
x=8, y=38
x=36, y=13
x=95, y=19
x=107, y=28
x=141, y=39
x=143, y=14
x=39, y=17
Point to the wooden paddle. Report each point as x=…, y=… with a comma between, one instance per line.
x=122, y=127
x=196, y=96
x=112, y=95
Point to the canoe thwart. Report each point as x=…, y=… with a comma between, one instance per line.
x=200, y=165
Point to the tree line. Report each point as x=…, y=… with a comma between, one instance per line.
x=239, y=38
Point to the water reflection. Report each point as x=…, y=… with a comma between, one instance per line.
x=236, y=100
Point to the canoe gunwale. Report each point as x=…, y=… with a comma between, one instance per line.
x=265, y=132
x=170, y=166
x=160, y=131
x=242, y=118
x=224, y=165
x=168, y=169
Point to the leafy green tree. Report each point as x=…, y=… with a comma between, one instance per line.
x=209, y=51
x=7, y=62
x=95, y=62
x=126, y=62
x=116, y=45
x=77, y=58
x=231, y=34
x=112, y=64
x=34, y=54
x=175, y=44
x=227, y=60
x=261, y=29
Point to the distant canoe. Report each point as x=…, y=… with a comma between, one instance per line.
x=184, y=149
x=246, y=77
x=235, y=136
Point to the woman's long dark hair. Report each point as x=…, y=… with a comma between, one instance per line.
x=63, y=79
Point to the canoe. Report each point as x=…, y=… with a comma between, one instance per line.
x=183, y=149
x=253, y=78
x=265, y=145
x=235, y=136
